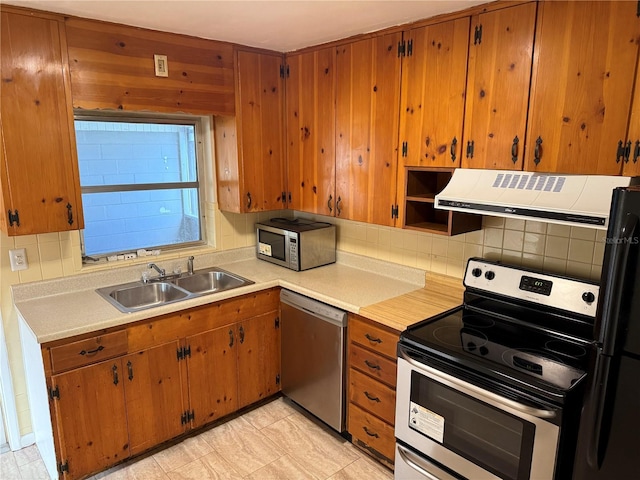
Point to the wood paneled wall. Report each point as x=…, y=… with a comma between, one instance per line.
x=112, y=67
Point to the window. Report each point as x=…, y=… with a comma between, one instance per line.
x=139, y=183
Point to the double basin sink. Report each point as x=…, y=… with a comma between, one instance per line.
x=135, y=296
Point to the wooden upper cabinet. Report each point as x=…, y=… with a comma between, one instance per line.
x=112, y=67
x=500, y=59
x=367, y=99
x=39, y=170
x=584, y=66
x=311, y=108
x=434, y=76
x=632, y=162
x=250, y=151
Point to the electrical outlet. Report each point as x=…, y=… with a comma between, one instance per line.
x=18, y=259
x=129, y=256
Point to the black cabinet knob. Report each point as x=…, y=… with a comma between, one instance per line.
x=588, y=297
x=490, y=275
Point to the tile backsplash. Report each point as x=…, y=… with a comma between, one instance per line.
x=572, y=251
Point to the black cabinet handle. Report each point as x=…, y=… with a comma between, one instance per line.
x=372, y=339
x=454, y=143
x=371, y=434
x=329, y=204
x=371, y=365
x=636, y=151
x=92, y=352
x=537, y=152
x=115, y=374
x=371, y=397
x=231, y=338
x=514, y=149
x=130, y=368
x=249, y=201
x=338, y=209
x=241, y=331
x=69, y=214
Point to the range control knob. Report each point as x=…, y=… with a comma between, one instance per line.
x=476, y=272
x=588, y=297
x=490, y=275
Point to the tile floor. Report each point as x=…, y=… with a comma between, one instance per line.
x=275, y=441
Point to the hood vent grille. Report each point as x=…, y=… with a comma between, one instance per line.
x=546, y=183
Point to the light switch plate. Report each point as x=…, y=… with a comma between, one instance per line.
x=161, y=65
x=18, y=259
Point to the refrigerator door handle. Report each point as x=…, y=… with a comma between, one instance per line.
x=615, y=270
x=597, y=434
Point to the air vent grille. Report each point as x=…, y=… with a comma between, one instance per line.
x=547, y=183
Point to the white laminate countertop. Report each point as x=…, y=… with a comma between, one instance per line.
x=63, y=308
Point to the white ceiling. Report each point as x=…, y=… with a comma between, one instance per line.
x=275, y=25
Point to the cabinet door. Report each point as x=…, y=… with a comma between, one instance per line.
x=89, y=410
x=39, y=171
x=367, y=99
x=500, y=56
x=632, y=163
x=434, y=77
x=258, y=358
x=311, y=164
x=153, y=382
x=260, y=106
x=581, y=86
x=212, y=373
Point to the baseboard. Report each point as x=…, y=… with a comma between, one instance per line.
x=27, y=440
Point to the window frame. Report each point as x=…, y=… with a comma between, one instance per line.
x=153, y=118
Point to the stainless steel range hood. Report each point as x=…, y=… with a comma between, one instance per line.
x=576, y=200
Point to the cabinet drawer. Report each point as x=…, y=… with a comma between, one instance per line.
x=373, y=364
x=371, y=431
x=372, y=396
x=372, y=337
x=90, y=350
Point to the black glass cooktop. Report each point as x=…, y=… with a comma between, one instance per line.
x=545, y=356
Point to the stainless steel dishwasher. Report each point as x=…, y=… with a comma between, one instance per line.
x=313, y=356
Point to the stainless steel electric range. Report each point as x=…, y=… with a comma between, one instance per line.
x=494, y=387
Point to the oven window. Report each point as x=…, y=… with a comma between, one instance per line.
x=497, y=441
x=276, y=241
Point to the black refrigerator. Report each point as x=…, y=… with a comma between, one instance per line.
x=609, y=438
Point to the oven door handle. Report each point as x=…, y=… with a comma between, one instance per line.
x=422, y=465
x=495, y=398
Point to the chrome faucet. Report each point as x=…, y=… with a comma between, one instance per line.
x=190, y=265
x=161, y=271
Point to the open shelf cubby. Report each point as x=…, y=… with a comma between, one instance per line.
x=422, y=185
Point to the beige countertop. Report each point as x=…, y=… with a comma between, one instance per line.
x=392, y=294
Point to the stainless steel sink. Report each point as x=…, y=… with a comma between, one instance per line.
x=134, y=296
x=210, y=281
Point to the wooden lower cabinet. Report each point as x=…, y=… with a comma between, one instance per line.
x=172, y=374
x=91, y=419
x=155, y=402
x=258, y=358
x=372, y=387
x=212, y=366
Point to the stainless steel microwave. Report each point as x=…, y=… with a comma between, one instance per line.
x=296, y=243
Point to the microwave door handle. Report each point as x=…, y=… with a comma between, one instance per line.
x=457, y=383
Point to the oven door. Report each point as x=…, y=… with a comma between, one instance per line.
x=472, y=431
